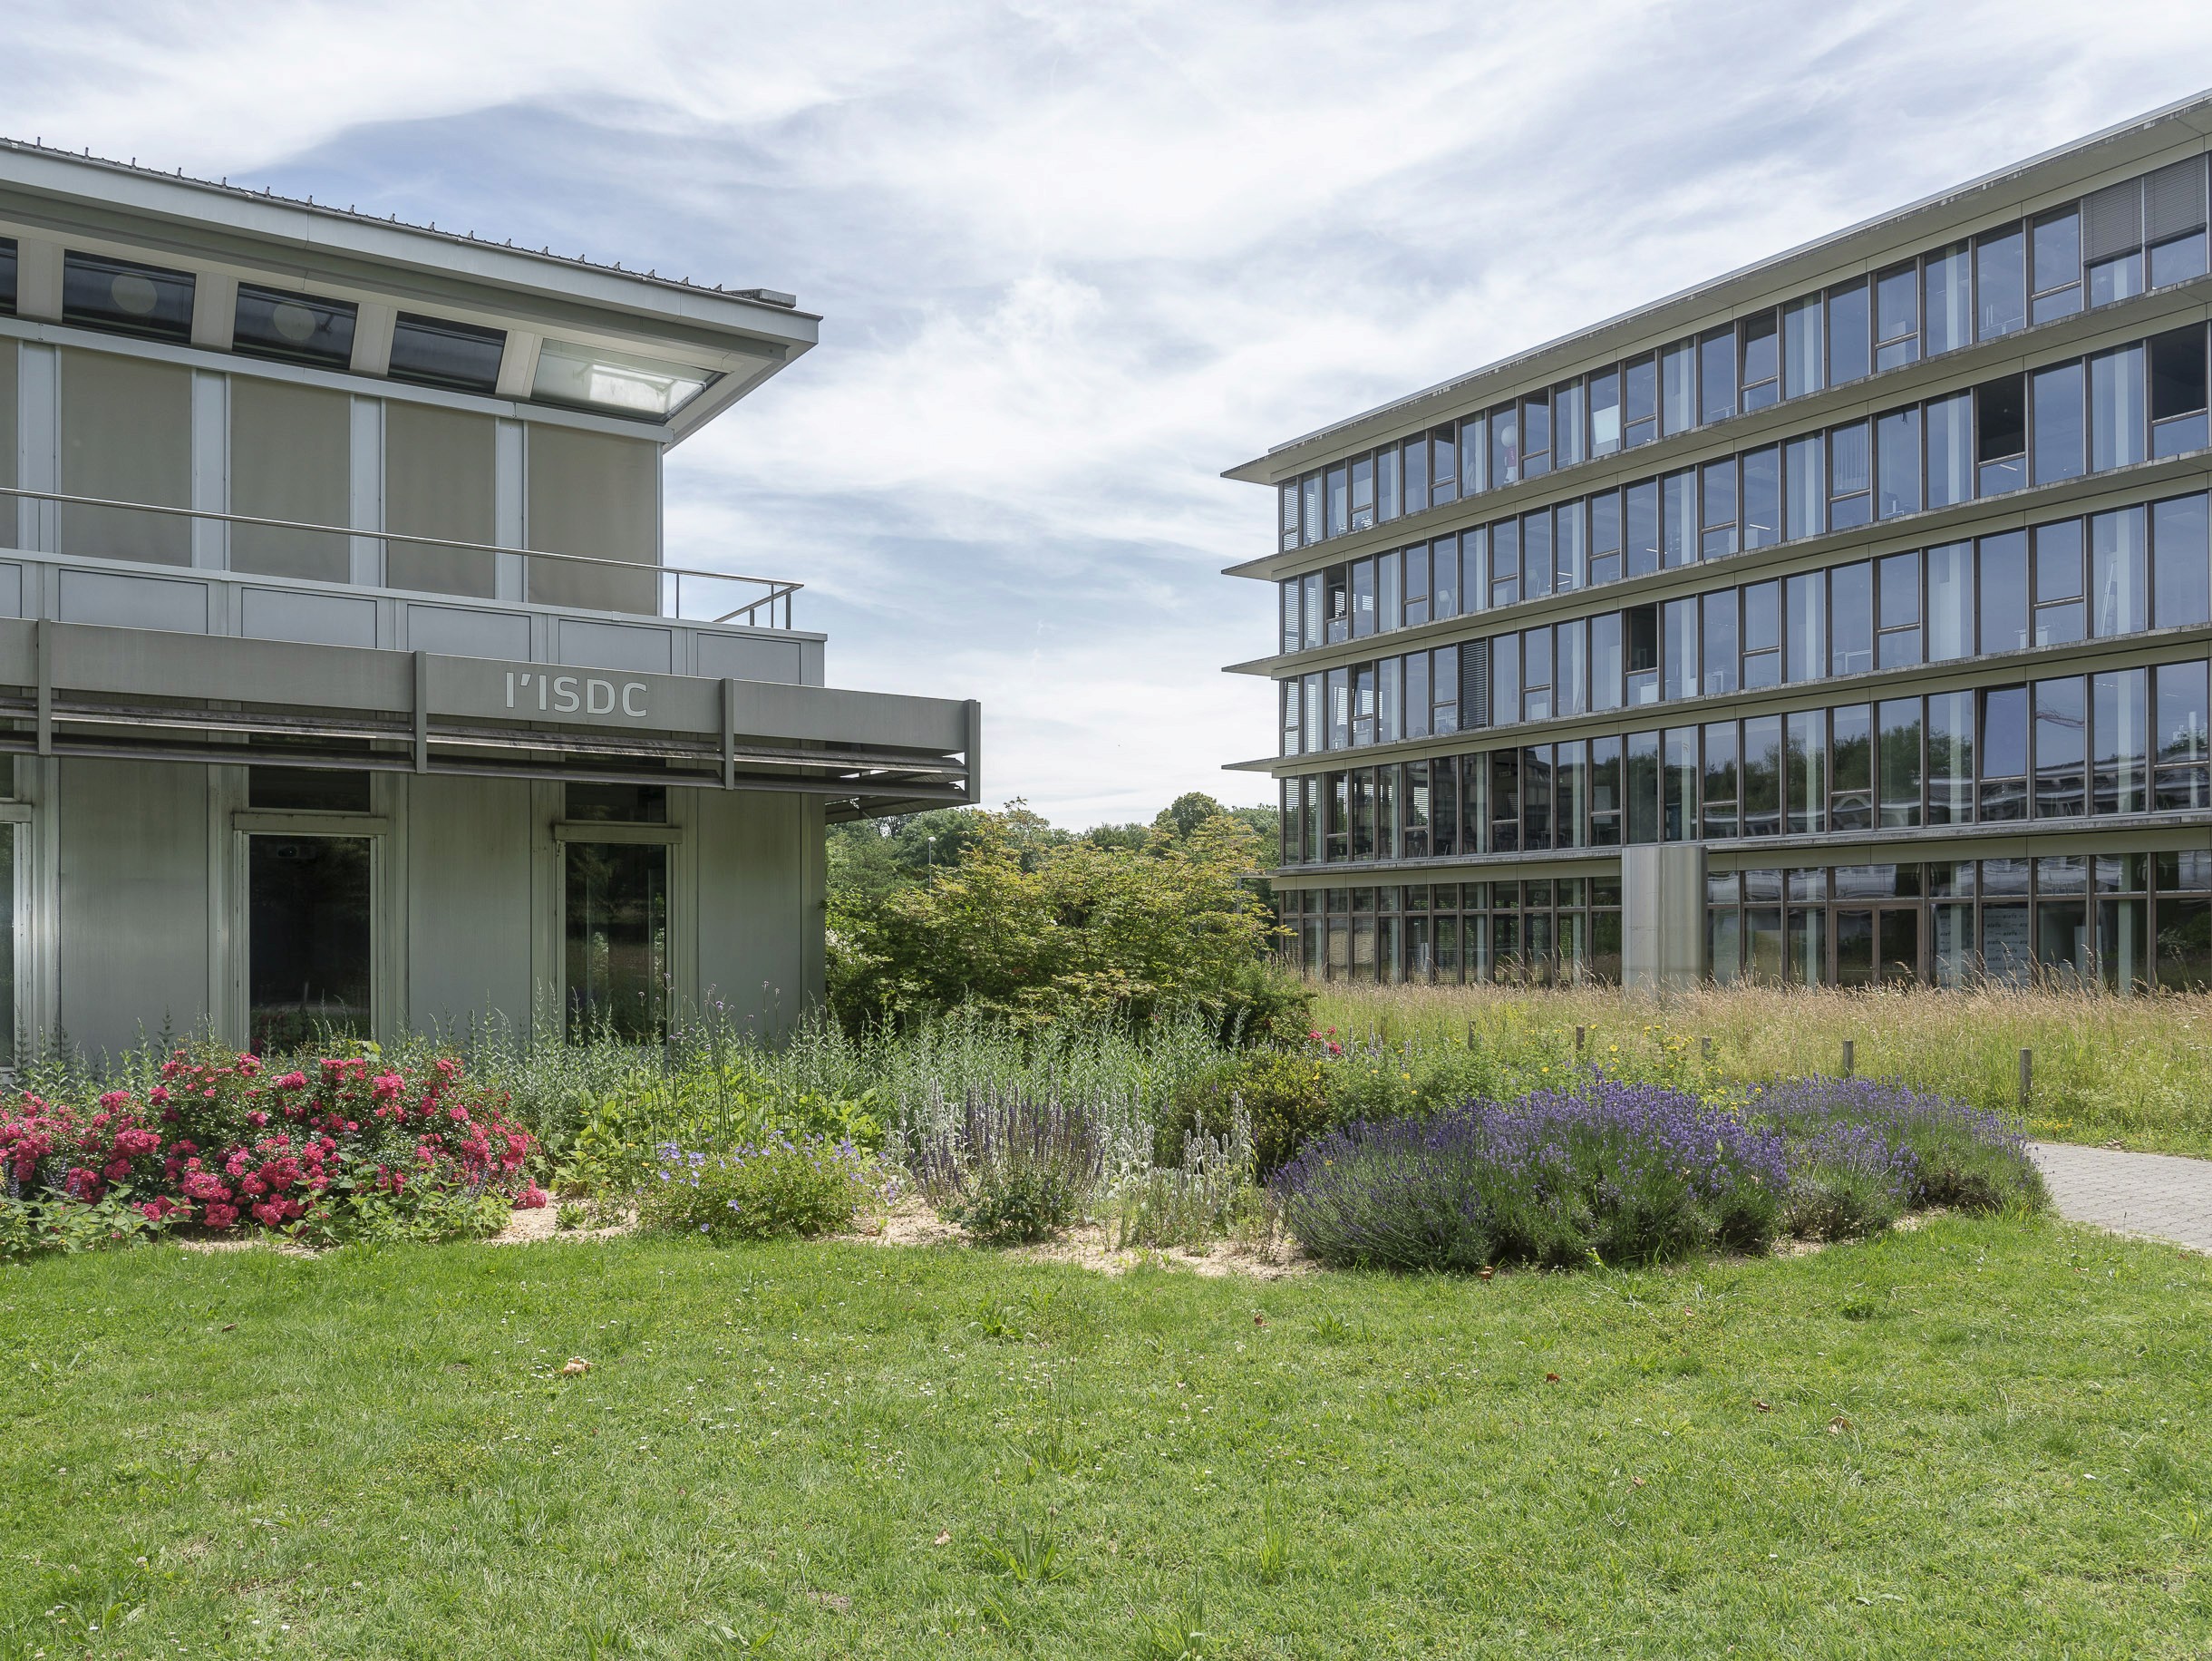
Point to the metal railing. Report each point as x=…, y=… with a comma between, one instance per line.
x=669, y=600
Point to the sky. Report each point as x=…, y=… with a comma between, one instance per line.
x=1073, y=260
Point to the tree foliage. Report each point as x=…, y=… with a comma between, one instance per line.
x=1034, y=925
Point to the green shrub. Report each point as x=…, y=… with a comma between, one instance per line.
x=1018, y=1206
x=1014, y=1168
x=1284, y=1099
x=780, y=1188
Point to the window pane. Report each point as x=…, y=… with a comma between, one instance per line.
x=2004, y=592
x=309, y=938
x=1950, y=602
x=1806, y=645
x=1678, y=628
x=2058, y=265
x=2001, y=434
x=1717, y=485
x=1950, y=424
x=1950, y=758
x=1678, y=388
x=1640, y=401
x=293, y=327
x=1897, y=611
x=1802, y=351
x=1762, y=634
x=1805, y=487
x=1717, y=375
x=2061, y=748
x=1851, y=594
x=1850, y=464
x=1762, y=776
x=1897, y=318
x=1762, y=361
x=2056, y=395
x=1536, y=554
x=438, y=351
x=1340, y=500
x=2003, y=752
x=2177, y=259
x=1950, y=304
x=107, y=293
x=1805, y=769
x=1642, y=526
x=1763, y=496
x=2180, y=577
x=2120, y=574
x=1570, y=556
x=1643, y=787
x=2116, y=407
x=2060, y=615
x=1566, y=425
x=1898, y=785
x=1605, y=661
x=2119, y=750
x=2001, y=281
x=1719, y=642
x=1605, y=413
x=2178, y=393
x=1848, y=329
x=1897, y=458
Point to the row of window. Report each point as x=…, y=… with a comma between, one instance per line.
x=2147, y=400
x=2122, y=742
x=2147, y=232
x=2129, y=921
x=2108, y=575
x=100, y=291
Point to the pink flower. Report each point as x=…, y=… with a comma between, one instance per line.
x=158, y=1095
x=294, y=1080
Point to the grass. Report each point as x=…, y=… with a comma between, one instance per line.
x=2136, y=1071
x=1992, y=1430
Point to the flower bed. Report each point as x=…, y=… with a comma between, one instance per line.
x=1619, y=1172
x=778, y=1188
x=226, y=1145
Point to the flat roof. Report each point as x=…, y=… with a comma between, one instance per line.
x=2193, y=113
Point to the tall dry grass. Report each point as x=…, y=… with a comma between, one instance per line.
x=2134, y=1070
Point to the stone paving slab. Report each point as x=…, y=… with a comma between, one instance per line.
x=2158, y=1195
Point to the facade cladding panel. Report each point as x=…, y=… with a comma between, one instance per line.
x=1873, y=585
x=352, y=692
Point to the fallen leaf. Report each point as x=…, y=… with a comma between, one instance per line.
x=1637, y=1480
x=1259, y=1320
x=1837, y=1425
x=232, y=1327
x=1551, y=1378
x=943, y=1538
x=1763, y=1407
x=1487, y=1273
x=575, y=1364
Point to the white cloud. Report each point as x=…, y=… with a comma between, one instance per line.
x=1076, y=259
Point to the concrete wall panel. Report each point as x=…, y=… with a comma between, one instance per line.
x=759, y=903
x=469, y=918
x=133, y=842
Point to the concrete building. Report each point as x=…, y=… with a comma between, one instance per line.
x=1844, y=618
x=342, y=677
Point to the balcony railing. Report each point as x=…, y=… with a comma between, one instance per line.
x=530, y=576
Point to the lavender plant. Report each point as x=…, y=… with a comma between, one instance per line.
x=1014, y=1168
x=1871, y=1141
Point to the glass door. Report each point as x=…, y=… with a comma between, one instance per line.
x=615, y=899
x=309, y=939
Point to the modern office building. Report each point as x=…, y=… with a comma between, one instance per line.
x=1844, y=618
x=343, y=680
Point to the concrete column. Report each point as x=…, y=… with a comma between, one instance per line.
x=1662, y=916
x=38, y=444
x=211, y=468
x=367, y=498
x=511, y=469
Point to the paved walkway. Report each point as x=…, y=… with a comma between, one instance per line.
x=2154, y=1194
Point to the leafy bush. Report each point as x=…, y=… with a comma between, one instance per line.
x=1285, y=1103
x=1016, y=1168
x=1628, y=1173
x=777, y=1188
x=335, y=1148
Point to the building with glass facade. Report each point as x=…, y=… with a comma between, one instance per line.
x=344, y=683
x=1842, y=619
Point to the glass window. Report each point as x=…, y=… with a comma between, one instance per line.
x=1290, y=631
x=2055, y=394
x=1604, y=537
x=2120, y=574
x=309, y=938
x=1414, y=563
x=1536, y=801
x=1678, y=388
x=1762, y=636
x=1763, y=496
x=1762, y=776
x=1363, y=598
x=2120, y=772
x=439, y=351
x=1851, y=600
x=1806, y=771
x=1642, y=526
x=1340, y=709
x=1950, y=300
x=626, y=804
x=1570, y=681
x=1950, y=758
x=105, y=293
x=1640, y=400
x=2060, y=613
x=1362, y=704
x=2180, y=721
x=2061, y=732
x=1678, y=786
x=1340, y=500
x=1802, y=351
x=1505, y=679
x=1950, y=602
x=1536, y=675
x=1445, y=717
x=1536, y=554
x=1414, y=466
x=1309, y=489
x=1850, y=477
x=1850, y=803
x=1897, y=460
x=1719, y=642
x=1475, y=570
x=1605, y=413
x=615, y=381
x=1571, y=783
x=1641, y=629
x=1897, y=611
x=2004, y=592
x=7, y=304
x=1806, y=647
x=1606, y=666
x=1805, y=487
x=1505, y=800
x=2178, y=391
x=2057, y=264
x=1314, y=723
x=1762, y=363
x=1390, y=593
x=1643, y=787
x=1566, y=425
x=1389, y=503
x=2180, y=578
x=1570, y=547
x=1950, y=452
x=1678, y=628
x=1717, y=375
x=1718, y=793
x=311, y=790
x=1848, y=326
x=1444, y=467
x=1505, y=446
x=2003, y=752
x=2001, y=434
x=1363, y=493
x=1717, y=482
x=1896, y=318
x=1606, y=793
x=1390, y=699
x=295, y=327
x=1505, y=563
x=2001, y=284
x=2177, y=259
x=2116, y=408
x=1897, y=769
x=1677, y=519
x=1444, y=576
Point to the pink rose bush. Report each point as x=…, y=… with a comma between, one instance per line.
x=223, y=1145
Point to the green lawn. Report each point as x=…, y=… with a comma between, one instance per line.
x=1987, y=1438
